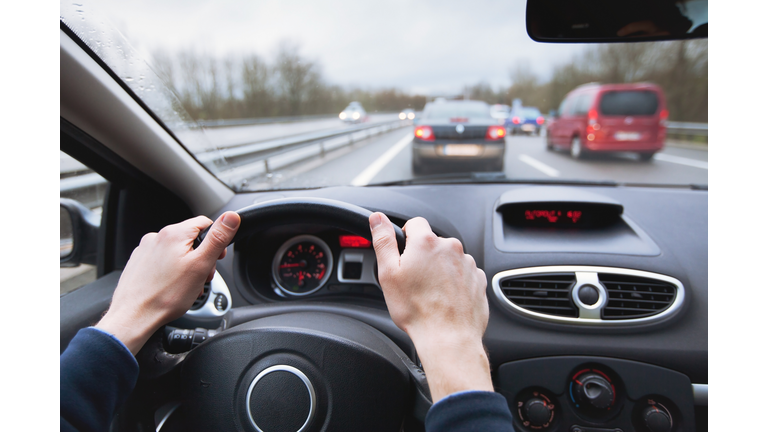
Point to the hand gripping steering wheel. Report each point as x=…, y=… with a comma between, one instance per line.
x=295, y=366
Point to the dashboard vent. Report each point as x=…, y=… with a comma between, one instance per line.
x=200, y=301
x=543, y=293
x=635, y=297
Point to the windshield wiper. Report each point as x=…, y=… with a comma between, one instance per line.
x=487, y=177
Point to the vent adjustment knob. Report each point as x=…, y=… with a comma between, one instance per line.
x=588, y=295
x=657, y=419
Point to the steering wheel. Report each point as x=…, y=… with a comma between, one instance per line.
x=300, y=366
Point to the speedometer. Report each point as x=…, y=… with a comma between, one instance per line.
x=302, y=265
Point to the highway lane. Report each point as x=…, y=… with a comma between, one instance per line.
x=526, y=158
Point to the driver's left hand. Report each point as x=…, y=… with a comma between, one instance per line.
x=164, y=276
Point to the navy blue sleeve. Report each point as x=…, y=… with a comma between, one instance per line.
x=470, y=411
x=97, y=375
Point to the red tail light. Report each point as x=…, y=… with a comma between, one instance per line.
x=424, y=133
x=495, y=133
x=516, y=120
x=592, y=114
x=540, y=120
x=664, y=114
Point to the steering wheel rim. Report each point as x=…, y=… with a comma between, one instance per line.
x=323, y=211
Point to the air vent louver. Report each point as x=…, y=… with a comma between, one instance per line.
x=635, y=297
x=200, y=301
x=547, y=293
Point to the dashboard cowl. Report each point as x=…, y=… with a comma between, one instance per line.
x=625, y=297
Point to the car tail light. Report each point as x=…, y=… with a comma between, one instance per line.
x=516, y=120
x=592, y=114
x=424, y=133
x=663, y=116
x=495, y=132
x=540, y=120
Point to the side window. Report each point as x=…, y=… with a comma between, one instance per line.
x=581, y=105
x=561, y=111
x=87, y=190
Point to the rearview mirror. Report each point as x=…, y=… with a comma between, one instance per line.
x=78, y=234
x=615, y=21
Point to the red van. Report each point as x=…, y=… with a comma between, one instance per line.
x=610, y=118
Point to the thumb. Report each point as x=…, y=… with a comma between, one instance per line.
x=384, y=243
x=219, y=236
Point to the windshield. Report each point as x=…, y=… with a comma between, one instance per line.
x=305, y=94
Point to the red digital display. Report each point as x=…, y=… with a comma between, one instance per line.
x=353, y=241
x=554, y=216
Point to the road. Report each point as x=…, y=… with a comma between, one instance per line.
x=388, y=158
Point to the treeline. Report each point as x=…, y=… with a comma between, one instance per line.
x=290, y=84
x=679, y=68
x=252, y=87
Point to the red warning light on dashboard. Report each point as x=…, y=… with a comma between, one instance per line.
x=353, y=241
x=554, y=216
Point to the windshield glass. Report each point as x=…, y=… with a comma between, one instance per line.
x=262, y=92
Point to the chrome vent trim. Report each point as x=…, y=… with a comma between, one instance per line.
x=590, y=275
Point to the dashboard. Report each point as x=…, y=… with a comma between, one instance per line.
x=597, y=295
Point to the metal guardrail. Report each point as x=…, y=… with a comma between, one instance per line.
x=262, y=120
x=251, y=159
x=687, y=129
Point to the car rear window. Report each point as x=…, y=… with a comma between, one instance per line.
x=632, y=102
x=453, y=110
x=530, y=113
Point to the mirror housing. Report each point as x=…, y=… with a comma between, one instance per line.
x=79, y=234
x=568, y=21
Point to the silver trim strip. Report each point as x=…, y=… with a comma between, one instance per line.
x=208, y=309
x=583, y=277
x=167, y=416
x=284, y=368
x=700, y=394
x=365, y=256
x=286, y=246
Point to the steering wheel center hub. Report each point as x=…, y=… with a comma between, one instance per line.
x=281, y=399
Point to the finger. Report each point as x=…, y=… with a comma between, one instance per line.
x=417, y=230
x=384, y=243
x=211, y=274
x=223, y=254
x=219, y=236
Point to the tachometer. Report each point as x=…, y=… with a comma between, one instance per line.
x=302, y=265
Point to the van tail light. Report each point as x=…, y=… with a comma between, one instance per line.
x=516, y=120
x=495, y=133
x=424, y=133
x=592, y=114
x=540, y=120
x=663, y=116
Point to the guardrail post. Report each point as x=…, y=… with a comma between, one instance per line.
x=266, y=166
x=322, y=148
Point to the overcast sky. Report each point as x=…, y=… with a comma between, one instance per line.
x=419, y=46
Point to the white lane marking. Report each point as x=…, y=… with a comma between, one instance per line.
x=546, y=169
x=681, y=160
x=369, y=173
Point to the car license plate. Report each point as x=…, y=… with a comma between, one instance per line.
x=462, y=150
x=627, y=136
x=528, y=127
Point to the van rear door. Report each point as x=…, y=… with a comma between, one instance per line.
x=629, y=115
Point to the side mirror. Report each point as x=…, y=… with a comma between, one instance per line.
x=79, y=234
